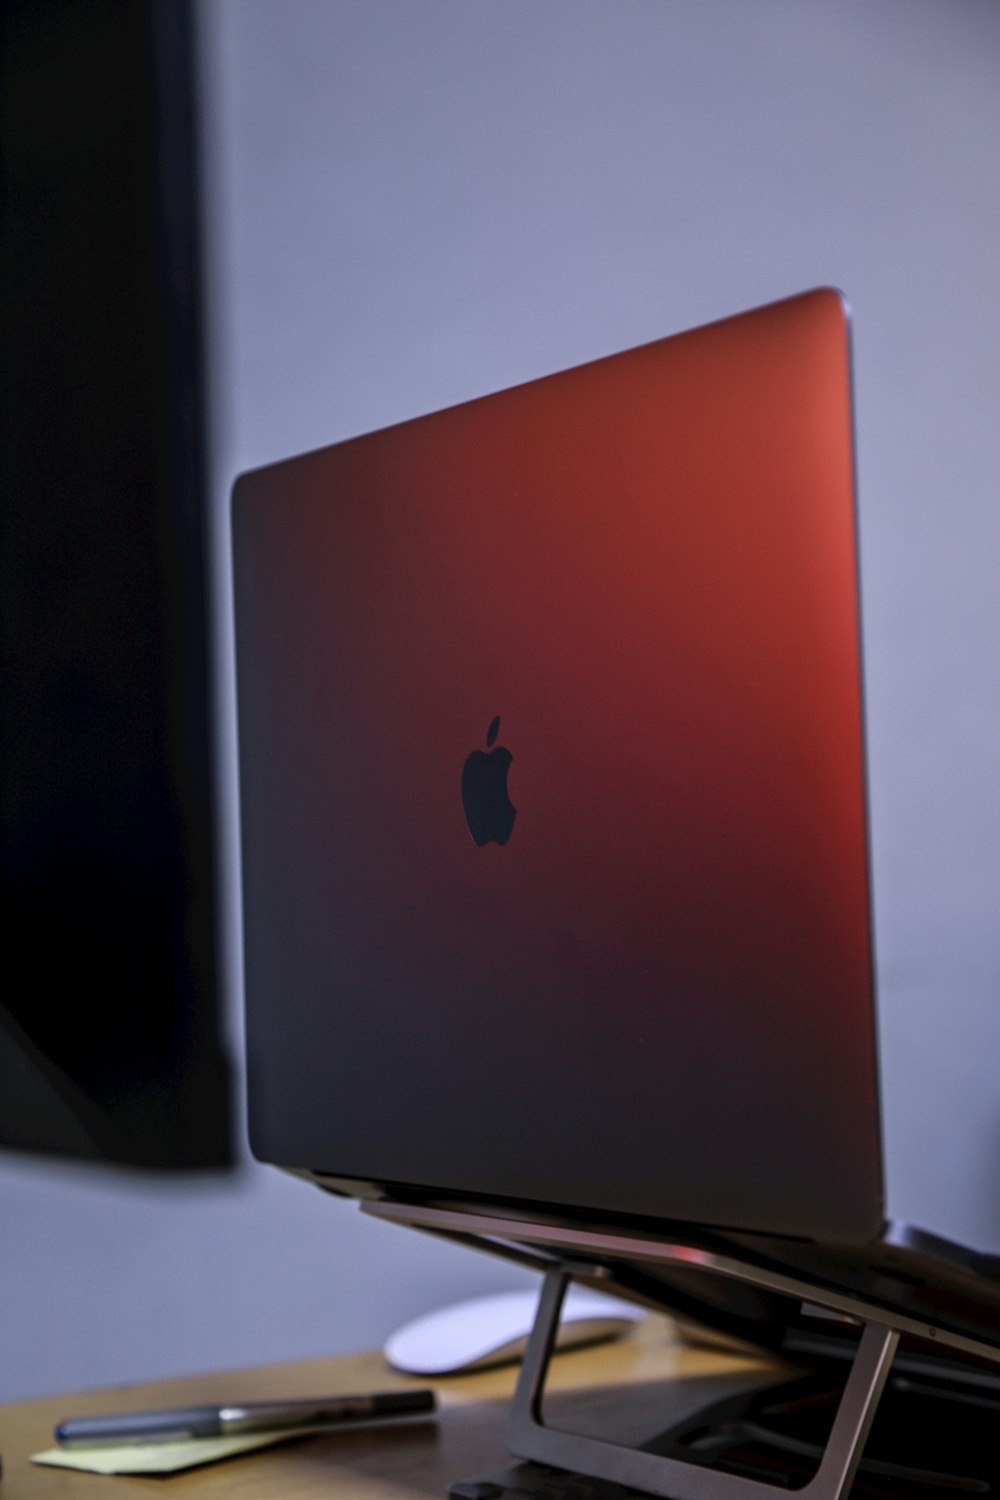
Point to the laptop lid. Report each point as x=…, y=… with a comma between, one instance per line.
x=553, y=800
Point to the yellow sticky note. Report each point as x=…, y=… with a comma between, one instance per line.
x=162, y=1458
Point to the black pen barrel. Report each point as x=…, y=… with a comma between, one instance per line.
x=398, y=1403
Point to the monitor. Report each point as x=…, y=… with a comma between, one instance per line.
x=111, y=1019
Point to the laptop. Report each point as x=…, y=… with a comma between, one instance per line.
x=554, y=832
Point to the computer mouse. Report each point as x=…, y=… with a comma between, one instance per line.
x=494, y=1330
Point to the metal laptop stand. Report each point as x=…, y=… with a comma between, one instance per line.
x=530, y=1438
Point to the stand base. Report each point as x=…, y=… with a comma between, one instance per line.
x=677, y=1478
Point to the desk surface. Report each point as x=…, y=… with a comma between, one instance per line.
x=378, y=1463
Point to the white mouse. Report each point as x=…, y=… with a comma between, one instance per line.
x=494, y=1330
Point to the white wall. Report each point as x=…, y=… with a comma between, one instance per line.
x=414, y=201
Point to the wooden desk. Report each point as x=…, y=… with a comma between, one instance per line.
x=379, y=1463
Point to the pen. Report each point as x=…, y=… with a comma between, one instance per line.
x=185, y=1422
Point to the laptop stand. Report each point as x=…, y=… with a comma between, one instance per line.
x=591, y=1468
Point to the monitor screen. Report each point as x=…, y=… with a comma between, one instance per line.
x=111, y=1017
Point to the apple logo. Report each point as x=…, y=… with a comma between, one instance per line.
x=489, y=811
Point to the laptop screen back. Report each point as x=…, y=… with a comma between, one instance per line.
x=552, y=778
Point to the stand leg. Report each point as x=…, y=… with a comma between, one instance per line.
x=854, y=1416
x=528, y=1437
